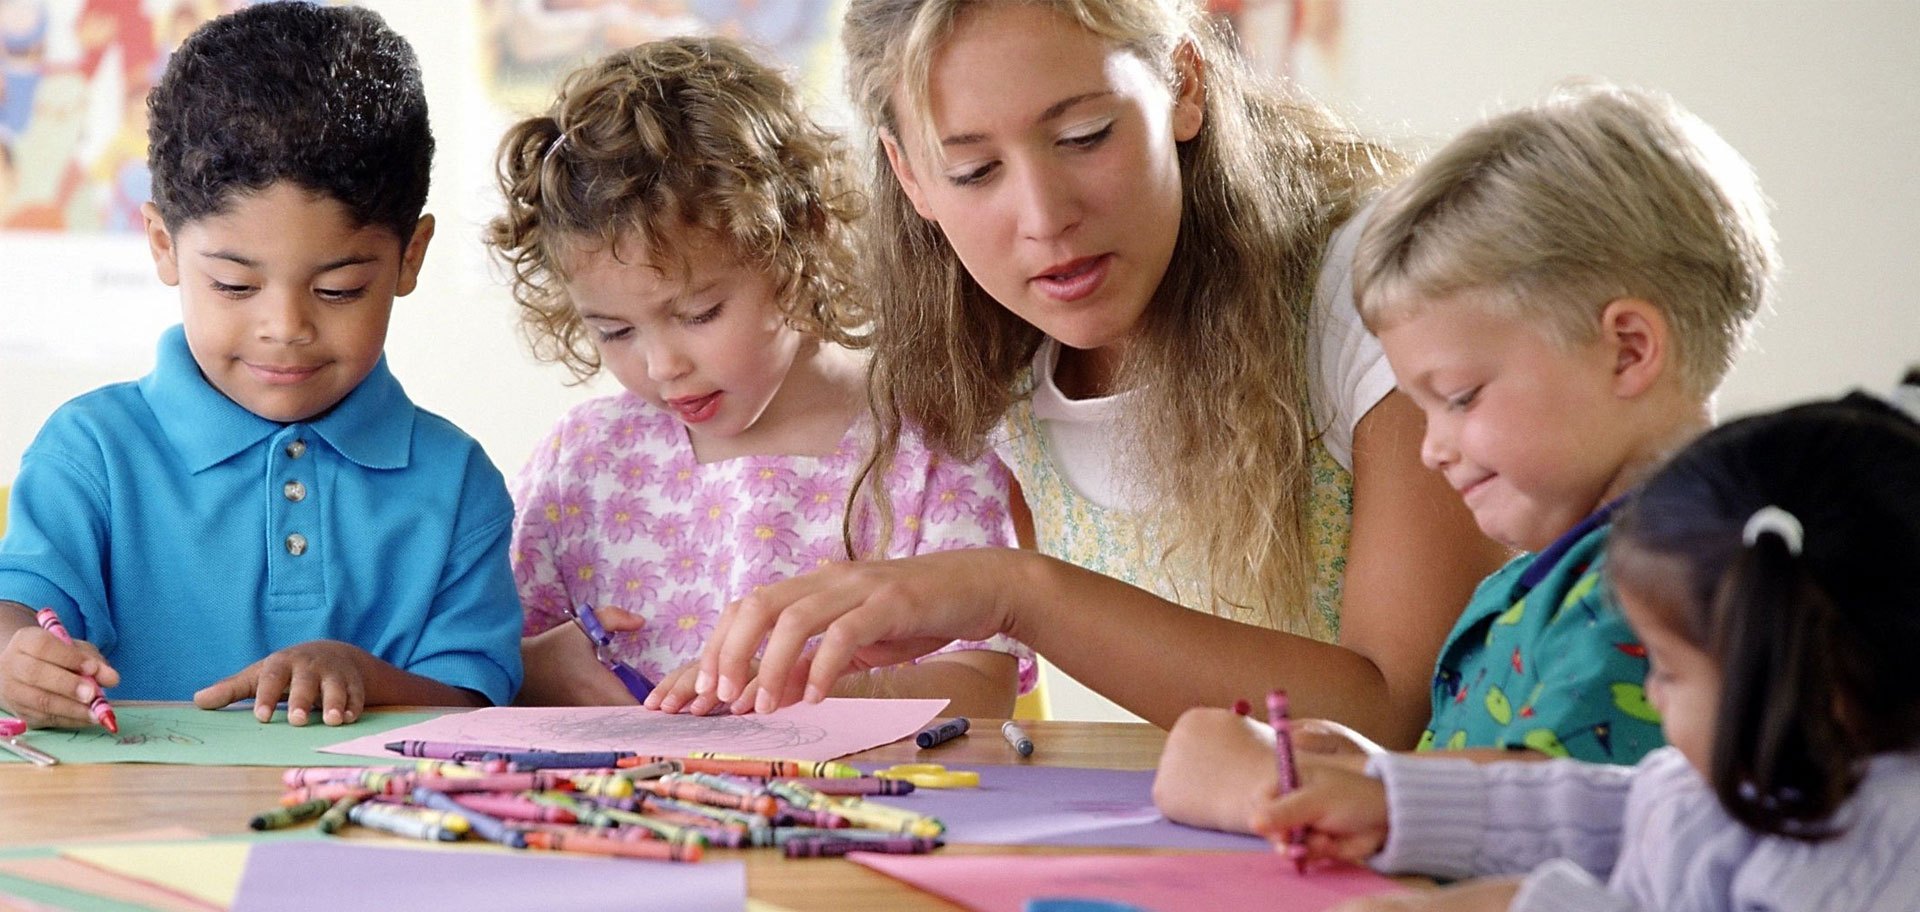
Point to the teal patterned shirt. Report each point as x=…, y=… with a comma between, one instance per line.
x=1543, y=659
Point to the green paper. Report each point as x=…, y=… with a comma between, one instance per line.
x=201, y=737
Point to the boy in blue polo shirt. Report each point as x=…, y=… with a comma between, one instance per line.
x=1560, y=289
x=266, y=515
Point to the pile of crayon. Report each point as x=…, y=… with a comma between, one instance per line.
x=610, y=802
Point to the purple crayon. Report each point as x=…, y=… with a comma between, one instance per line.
x=831, y=847
x=448, y=750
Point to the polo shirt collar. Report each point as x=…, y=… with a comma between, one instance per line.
x=1550, y=555
x=372, y=426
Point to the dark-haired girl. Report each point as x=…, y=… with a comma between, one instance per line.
x=1769, y=569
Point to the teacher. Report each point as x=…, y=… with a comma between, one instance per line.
x=1103, y=248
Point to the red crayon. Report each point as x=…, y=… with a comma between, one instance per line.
x=98, y=708
x=600, y=845
x=1289, y=776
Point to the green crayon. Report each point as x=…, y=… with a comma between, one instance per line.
x=288, y=816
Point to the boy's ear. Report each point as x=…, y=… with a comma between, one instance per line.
x=1641, y=341
x=166, y=260
x=903, y=172
x=415, y=255
x=1190, y=92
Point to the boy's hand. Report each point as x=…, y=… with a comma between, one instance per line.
x=675, y=693
x=325, y=673
x=1490, y=894
x=1344, y=811
x=40, y=678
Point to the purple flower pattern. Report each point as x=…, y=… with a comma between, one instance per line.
x=613, y=509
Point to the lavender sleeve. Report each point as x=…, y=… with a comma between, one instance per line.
x=1456, y=818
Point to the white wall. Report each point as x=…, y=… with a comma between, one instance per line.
x=1818, y=95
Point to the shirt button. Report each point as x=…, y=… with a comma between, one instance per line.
x=294, y=491
x=296, y=449
x=296, y=544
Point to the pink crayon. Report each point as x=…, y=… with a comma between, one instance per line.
x=98, y=708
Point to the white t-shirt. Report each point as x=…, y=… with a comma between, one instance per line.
x=1350, y=376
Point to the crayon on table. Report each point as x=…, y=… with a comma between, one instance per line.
x=1017, y=737
x=600, y=845
x=942, y=732
x=865, y=785
x=395, y=821
x=486, y=826
x=833, y=847
x=98, y=707
x=1289, y=776
x=291, y=814
x=448, y=750
x=336, y=817
x=10, y=730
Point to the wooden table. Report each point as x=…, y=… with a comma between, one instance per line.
x=41, y=805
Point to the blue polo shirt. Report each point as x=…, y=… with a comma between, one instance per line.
x=187, y=537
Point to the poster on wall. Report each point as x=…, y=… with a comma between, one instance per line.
x=529, y=44
x=74, y=76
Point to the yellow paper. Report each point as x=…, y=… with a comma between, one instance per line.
x=208, y=871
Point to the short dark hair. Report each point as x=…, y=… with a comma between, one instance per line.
x=328, y=98
x=1814, y=628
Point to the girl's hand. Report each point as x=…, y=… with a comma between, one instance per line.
x=327, y=674
x=40, y=678
x=1491, y=894
x=675, y=693
x=867, y=614
x=1344, y=811
x=562, y=670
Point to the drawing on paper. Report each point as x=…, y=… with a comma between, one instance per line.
x=662, y=733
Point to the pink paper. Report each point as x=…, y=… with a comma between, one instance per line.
x=828, y=730
x=1164, y=883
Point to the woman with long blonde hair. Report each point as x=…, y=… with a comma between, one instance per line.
x=1103, y=248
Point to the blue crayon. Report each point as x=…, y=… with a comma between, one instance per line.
x=490, y=828
x=942, y=733
x=532, y=760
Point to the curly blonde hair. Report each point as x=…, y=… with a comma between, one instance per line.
x=651, y=141
x=1219, y=365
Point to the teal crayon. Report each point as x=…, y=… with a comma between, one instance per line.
x=288, y=816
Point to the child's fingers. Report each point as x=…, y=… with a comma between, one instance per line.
x=356, y=699
x=226, y=691
x=333, y=699
x=270, y=687
x=673, y=691
x=618, y=620
x=41, y=708
x=303, y=694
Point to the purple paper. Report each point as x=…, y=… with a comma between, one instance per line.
x=326, y=875
x=1053, y=805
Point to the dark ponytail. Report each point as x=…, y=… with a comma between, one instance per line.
x=1810, y=608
